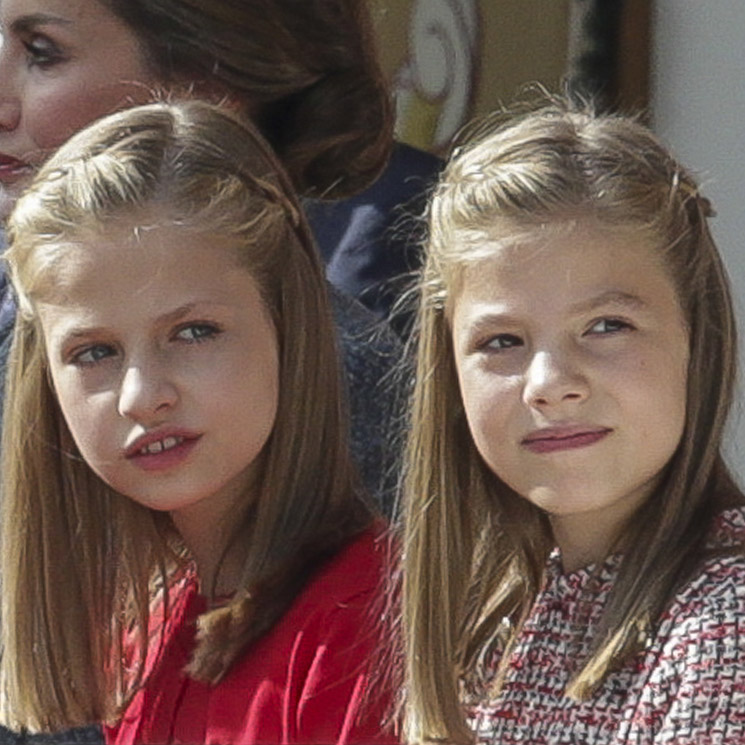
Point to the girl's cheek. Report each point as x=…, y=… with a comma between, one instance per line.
x=488, y=400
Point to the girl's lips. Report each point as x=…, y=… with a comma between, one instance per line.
x=557, y=439
x=170, y=457
x=159, y=451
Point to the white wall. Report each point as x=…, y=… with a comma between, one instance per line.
x=698, y=107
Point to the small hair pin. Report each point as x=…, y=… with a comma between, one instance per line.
x=692, y=196
x=706, y=207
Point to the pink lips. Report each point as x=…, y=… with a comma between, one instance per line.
x=554, y=439
x=12, y=169
x=162, y=449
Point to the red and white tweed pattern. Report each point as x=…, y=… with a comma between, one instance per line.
x=686, y=688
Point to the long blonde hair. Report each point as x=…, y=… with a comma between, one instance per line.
x=78, y=560
x=475, y=551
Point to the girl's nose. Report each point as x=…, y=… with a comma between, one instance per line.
x=146, y=394
x=553, y=378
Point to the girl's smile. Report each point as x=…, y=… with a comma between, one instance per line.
x=165, y=364
x=572, y=355
x=565, y=437
x=162, y=449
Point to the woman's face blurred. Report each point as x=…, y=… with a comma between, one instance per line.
x=63, y=63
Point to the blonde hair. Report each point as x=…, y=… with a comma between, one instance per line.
x=78, y=560
x=475, y=551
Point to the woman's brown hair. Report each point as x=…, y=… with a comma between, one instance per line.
x=79, y=562
x=475, y=550
x=305, y=70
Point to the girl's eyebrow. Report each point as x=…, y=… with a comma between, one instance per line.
x=72, y=336
x=24, y=24
x=488, y=319
x=610, y=297
x=196, y=307
x=172, y=316
x=177, y=313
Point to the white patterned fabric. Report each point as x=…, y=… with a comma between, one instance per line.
x=686, y=687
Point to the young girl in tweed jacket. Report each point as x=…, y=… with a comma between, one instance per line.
x=574, y=568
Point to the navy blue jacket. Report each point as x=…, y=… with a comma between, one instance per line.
x=371, y=243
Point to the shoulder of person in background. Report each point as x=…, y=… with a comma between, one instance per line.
x=370, y=243
x=371, y=355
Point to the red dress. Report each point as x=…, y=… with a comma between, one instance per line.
x=305, y=681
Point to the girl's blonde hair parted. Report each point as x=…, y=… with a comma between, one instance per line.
x=78, y=560
x=475, y=551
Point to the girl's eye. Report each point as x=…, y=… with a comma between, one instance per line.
x=93, y=354
x=42, y=51
x=502, y=341
x=197, y=332
x=609, y=326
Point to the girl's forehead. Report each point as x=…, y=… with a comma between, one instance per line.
x=569, y=261
x=515, y=243
x=150, y=246
x=135, y=285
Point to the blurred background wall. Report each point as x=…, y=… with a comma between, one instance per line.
x=697, y=104
x=679, y=62
x=450, y=60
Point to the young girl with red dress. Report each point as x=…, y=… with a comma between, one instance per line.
x=187, y=553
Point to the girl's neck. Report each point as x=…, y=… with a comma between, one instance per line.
x=577, y=553
x=206, y=535
x=583, y=539
x=219, y=581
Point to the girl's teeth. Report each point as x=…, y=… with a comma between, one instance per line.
x=161, y=445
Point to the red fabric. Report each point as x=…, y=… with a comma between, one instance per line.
x=304, y=682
